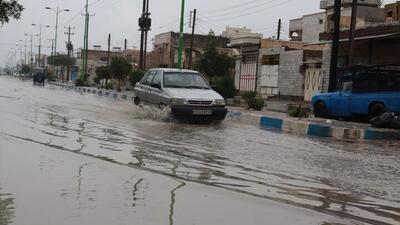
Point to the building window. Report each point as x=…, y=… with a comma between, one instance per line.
x=390, y=14
x=270, y=60
x=321, y=21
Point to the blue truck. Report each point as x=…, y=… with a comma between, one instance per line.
x=367, y=91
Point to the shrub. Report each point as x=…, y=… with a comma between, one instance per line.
x=256, y=103
x=135, y=76
x=249, y=95
x=50, y=76
x=80, y=82
x=298, y=111
x=109, y=86
x=225, y=86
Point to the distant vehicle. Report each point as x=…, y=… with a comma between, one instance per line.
x=186, y=91
x=39, y=76
x=365, y=91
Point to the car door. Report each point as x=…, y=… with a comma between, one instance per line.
x=155, y=95
x=341, y=100
x=139, y=88
x=145, y=87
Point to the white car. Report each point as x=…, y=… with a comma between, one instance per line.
x=187, y=92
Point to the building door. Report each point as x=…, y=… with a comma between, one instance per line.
x=312, y=83
x=248, y=72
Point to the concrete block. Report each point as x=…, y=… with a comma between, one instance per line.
x=319, y=130
x=270, y=122
x=296, y=127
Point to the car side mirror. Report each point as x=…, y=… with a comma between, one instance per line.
x=156, y=86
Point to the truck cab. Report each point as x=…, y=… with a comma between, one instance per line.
x=362, y=91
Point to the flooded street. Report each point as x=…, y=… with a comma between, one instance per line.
x=71, y=158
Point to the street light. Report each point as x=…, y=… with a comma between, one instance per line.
x=40, y=40
x=57, y=10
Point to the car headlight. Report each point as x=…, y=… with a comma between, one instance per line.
x=219, y=102
x=179, y=101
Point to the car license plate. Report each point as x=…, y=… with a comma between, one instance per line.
x=202, y=112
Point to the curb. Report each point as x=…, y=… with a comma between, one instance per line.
x=326, y=131
x=95, y=91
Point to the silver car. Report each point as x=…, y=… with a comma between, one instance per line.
x=187, y=92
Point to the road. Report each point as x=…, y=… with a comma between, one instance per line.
x=71, y=158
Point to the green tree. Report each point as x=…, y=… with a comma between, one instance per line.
x=212, y=63
x=62, y=61
x=9, y=9
x=120, y=68
x=135, y=76
x=26, y=69
x=103, y=72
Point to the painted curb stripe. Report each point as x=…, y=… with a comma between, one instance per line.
x=319, y=131
x=271, y=122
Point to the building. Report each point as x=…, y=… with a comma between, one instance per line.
x=96, y=58
x=235, y=33
x=133, y=55
x=166, y=46
x=307, y=28
x=392, y=12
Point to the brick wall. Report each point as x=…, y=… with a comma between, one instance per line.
x=291, y=81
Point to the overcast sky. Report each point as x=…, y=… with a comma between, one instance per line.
x=119, y=17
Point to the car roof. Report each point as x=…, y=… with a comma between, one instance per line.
x=171, y=70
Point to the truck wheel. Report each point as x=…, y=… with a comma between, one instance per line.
x=137, y=101
x=320, y=110
x=376, y=109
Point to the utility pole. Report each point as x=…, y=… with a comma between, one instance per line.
x=85, y=42
x=40, y=41
x=279, y=29
x=69, y=48
x=108, y=49
x=144, y=27
x=125, y=44
x=180, y=50
x=31, y=55
x=191, y=38
x=350, y=60
x=335, y=47
x=52, y=50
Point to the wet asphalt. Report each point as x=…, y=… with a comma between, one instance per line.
x=71, y=158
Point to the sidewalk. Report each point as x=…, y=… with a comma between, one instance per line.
x=275, y=117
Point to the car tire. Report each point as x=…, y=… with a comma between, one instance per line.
x=376, y=109
x=320, y=110
x=137, y=101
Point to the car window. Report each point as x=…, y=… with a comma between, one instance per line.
x=347, y=86
x=149, y=78
x=185, y=80
x=143, y=80
x=157, y=78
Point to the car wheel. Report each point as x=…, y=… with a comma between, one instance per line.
x=137, y=101
x=162, y=106
x=320, y=110
x=376, y=109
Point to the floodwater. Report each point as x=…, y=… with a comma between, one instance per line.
x=71, y=158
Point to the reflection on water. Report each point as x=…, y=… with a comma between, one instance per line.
x=172, y=205
x=6, y=208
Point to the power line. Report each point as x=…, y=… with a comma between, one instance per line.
x=224, y=13
x=234, y=6
x=252, y=13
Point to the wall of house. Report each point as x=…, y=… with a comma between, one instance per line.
x=291, y=81
x=313, y=25
x=267, y=76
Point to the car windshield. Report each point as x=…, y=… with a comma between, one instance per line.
x=185, y=80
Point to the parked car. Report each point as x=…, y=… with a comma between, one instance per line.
x=187, y=92
x=368, y=91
